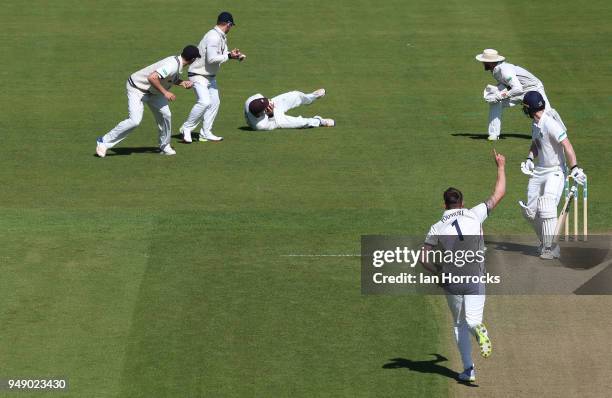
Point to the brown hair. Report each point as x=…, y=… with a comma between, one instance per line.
x=453, y=198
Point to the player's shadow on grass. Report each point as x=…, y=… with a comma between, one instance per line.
x=430, y=366
x=128, y=151
x=245, y=128
x=476, y=136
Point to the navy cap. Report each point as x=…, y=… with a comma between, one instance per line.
x=190, y=53
x=226, y=17
x=533, y=102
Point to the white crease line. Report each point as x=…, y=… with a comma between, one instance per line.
x=320, y=255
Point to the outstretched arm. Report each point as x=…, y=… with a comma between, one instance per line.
x=500, y=184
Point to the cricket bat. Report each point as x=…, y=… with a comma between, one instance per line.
x=563, y=215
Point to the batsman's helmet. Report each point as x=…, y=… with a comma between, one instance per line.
x=532, y=103
x=258, y=105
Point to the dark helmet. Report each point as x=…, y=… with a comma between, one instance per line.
x=258, y=105
x=532, y=103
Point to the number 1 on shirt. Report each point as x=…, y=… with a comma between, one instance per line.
x=456, y=225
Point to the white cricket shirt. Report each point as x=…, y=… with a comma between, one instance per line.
x=457, y=223
x=169, y=70
x=547, y=135
x=517, y=79
x=213, y=51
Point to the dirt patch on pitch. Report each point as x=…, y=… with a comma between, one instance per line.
x=546, y=346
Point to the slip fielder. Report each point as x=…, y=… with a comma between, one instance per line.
x=151, y=85
x=457, y=228
x=553, y=150
x=203, y=72
x=513, y=82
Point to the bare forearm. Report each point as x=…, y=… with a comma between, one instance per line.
x=154, y=80
x=500, y=189
x=570, y=155
x=533, y=151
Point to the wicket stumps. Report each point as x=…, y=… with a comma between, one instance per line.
x=575, y=210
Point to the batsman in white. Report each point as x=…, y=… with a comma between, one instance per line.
x=466, y=300
x=262, y=113
x=553, y=150
x=513, y=82
x=203, y=72
x=151, y=85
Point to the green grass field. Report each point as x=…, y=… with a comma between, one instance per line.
x=140, y=275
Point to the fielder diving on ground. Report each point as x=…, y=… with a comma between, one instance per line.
x=262, y=113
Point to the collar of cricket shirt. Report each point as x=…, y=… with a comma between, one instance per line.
x=540, y=122
x=449, y=211
x=222, y=33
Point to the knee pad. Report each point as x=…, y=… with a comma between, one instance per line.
x=547, y=207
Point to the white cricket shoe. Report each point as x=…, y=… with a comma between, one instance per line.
x=493, y=138
x=100, y=148
x=468, y=375
x=209, y=137
x=186, y=135
x=319, y=93
x=325, y=122
x=551, y=253
x=167, y=150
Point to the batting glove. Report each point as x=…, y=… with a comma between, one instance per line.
x=527, y=166
x=578, y=175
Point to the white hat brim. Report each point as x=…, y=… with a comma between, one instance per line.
x=496, y=58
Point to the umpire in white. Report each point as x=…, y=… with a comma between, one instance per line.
x=151, y=85
x=203, y=73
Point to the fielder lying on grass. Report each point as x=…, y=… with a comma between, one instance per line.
x=263, y=113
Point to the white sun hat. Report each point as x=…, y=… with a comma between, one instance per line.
x=490, y=55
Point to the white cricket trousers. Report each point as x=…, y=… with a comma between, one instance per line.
x=206, y=106
x=467, y=311
x=136, y=100
x=286, y=102
x=496, y=109
x=544, y=192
